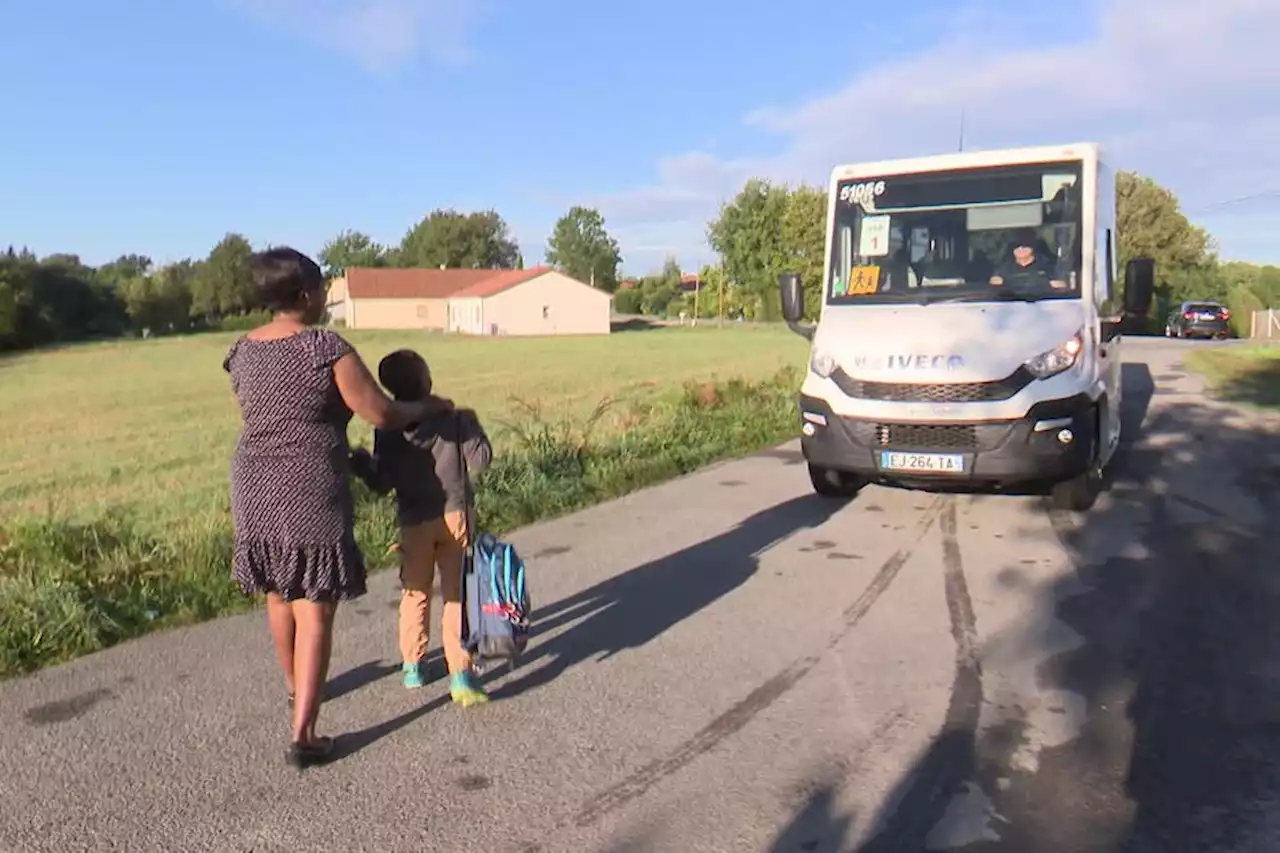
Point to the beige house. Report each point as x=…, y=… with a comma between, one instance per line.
x=538, y=301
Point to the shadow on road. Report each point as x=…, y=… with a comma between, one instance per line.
x=819, y=826
x=1173, y=598
x=350, y=743
x=631, y=609
x=359, y=676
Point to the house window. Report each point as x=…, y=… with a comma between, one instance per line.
x=423, y=312
x=546, y=311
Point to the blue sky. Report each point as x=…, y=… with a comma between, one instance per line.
x=156, y=126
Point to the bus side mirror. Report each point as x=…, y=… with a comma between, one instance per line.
x=792, y=297
x=1139, y=286
x=793, y=304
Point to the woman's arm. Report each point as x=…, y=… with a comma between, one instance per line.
x=371, y=467
x=362, y=394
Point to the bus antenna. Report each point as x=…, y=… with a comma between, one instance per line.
x=961, y=146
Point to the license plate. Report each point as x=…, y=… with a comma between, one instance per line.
x=932, y=463
x=1208, y=316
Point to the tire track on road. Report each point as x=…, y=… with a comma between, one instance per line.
x=737, y=717
x=951, y=760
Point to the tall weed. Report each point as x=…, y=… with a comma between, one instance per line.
x=70, y=588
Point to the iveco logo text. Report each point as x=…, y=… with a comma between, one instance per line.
x=915, y=362
x=863, y=193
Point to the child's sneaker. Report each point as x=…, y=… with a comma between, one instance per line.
x=465, y=689
x=413, y=675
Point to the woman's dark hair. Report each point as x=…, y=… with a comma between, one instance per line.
x=282, y=275
x=399, y=373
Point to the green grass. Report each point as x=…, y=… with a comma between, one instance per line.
x=1244, y=374
x=114, y=492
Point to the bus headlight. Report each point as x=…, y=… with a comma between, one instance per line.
x=822, y=362
x=1060, y=358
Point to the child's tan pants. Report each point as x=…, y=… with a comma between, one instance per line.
x=424, y=547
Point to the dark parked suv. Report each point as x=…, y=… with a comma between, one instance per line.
x=1198, y=320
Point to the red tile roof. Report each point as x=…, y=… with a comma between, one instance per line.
x=503, y=280
x=429, y=283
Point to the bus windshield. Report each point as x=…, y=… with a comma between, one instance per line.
x=1003, y=232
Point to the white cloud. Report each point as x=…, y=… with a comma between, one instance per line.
x=1187, y=91
x=378, y=34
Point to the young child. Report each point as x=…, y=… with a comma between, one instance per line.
x=421, y=464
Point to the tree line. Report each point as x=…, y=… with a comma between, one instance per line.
x=579, y=245
x=765, y=229
x=58, y=298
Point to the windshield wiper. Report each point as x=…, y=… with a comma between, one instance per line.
x=994, y=295
x=899, y=297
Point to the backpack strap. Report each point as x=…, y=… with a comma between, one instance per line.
x=470, y=550
x=506, y=574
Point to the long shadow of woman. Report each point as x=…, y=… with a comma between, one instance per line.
x=633, y=608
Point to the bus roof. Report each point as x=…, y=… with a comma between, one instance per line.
x=1089, y=151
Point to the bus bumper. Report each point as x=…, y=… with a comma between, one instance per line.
x=1054, y=441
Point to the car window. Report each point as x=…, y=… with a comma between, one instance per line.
x=1204, y=306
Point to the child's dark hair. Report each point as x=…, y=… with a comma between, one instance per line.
x=282, y=275
x=399, y=373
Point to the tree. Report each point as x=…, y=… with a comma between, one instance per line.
x=1249, y=288
x=581, y=247
x=447, y=238
x=804, y=233
x=712, y=283
x=1150, y=223
x=160, y=302
x=764, y=231
x=658, y=292
x=55, y=299
x=224, y=285
x=10, y=307
x=122, y=269
x=351, y=249
x=627, y=301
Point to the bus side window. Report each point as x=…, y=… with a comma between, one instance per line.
x=1105, y=283
x=1111, y=263
x=846, y=252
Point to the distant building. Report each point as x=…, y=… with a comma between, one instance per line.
x=537, y=301
x=690, y=282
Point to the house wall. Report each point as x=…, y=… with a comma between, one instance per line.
x=397, y=314
x=466, y=315
x=337, y=300
x=551, y=304
x=338, y=290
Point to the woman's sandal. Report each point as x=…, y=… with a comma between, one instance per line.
x=304, y=755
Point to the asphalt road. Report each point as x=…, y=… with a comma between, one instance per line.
x=727, y=663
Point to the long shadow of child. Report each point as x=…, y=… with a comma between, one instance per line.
x=633, y=608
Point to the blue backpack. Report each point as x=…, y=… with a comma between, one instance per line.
x=496, y=603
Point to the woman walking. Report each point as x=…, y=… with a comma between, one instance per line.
x=291, y=505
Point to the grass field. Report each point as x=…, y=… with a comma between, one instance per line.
x=150, y=425
x=113, y=495
x=1248, y=374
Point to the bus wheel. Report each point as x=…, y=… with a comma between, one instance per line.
x=834, y=484
x=1081, y=492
